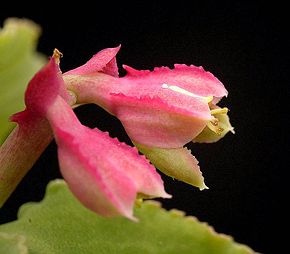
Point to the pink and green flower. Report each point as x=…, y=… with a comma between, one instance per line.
x=161, y=110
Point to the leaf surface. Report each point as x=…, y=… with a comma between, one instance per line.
x=60, y=224
x=19, y=61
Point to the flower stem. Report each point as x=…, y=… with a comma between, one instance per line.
x=19, y=152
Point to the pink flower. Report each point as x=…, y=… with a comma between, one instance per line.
x=161, y=110
x=104, y=174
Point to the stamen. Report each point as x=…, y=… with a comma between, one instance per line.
x=57, y=55
x=215, y=128
x=213, y=125
x=178, y=89
x=215, y=122
x=219, y=111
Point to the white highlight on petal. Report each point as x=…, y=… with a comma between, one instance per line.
x=183, y=91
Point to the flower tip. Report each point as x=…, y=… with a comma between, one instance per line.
x=132, y=218
x=232, y=130
x=203, y=187
x=128, y=213
x=166, y=195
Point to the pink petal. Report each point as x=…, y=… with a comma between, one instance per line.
x=191, y=78
x=103, y=173
x=44, y=87
x=100, y=186
x=94, y=88
x=104, y=61
x=154, y=122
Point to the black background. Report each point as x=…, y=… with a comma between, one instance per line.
x=245, y=46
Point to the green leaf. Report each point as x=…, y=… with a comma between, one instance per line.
x=18, y=63
x=12, y=244
x=60, y=224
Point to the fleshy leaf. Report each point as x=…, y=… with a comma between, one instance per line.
x=12, y=244
x=18, y=63
x=177, y=163
x=60, y=224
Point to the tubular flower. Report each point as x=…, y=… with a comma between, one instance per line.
x=161, y=110
x=104, y=174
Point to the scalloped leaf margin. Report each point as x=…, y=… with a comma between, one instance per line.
x=60, y=224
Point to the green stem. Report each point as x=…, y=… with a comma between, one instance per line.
x=19, y=152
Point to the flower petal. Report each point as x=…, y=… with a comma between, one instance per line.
x=97, y=184
x=103, y=173
x=177, y=163
x=44, y=87
x=104, y=61
x=154, y=122
x=191, y=78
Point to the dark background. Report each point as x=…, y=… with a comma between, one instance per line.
x=246, y=47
